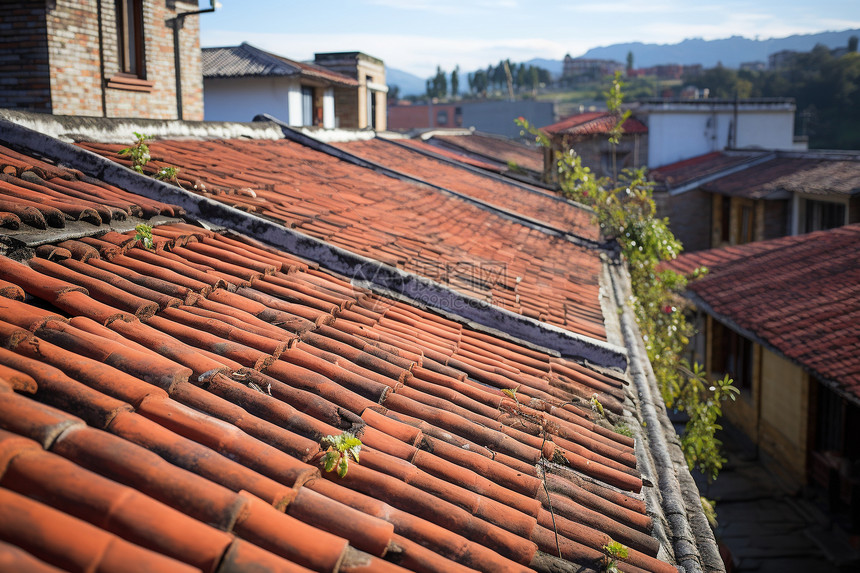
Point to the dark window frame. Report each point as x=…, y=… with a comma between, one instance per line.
x=130, y=38
x=822, y=215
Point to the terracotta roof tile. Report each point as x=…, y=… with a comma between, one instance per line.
x=500, y=150
x=532, y=202
x=208, y=415
x=417, y=229
x=797, y=294
x=689, y=170
x=453, y=155
x=593, y=123
x=793, y=175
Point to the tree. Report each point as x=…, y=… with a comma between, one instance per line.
x=437, y=86
x=852, y=44
x=629, y=62
x=455, y=82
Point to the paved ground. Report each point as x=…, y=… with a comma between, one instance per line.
x=767, y=522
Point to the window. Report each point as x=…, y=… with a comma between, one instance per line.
x=747, y=224
x=837, y=424
x=442, y=117
x=822, y=215
x=732, y=354
x=307, y=106
x=725, y=219
x=129, y=21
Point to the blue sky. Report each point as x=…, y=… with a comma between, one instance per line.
x=417, y=35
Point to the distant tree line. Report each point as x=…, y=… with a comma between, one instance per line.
x=520, y=77
x=826, y=88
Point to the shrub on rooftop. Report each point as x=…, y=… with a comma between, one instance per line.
x=625, y=210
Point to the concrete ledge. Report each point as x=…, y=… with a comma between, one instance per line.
x=106, y=130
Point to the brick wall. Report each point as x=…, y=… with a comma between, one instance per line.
x=50, y=60
x=24, y=70
x=689, y=217
x=776, y=223
x=73, y=48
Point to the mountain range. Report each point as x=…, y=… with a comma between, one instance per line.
x=730, y=52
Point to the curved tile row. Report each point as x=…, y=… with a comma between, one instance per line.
x=35, y=194
x=405, y=225
x=533, y=203
x=194, y=383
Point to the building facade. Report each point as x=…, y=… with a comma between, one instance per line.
x=366, y=107
x=241, y=82
x=102, y=58
x=682, y=129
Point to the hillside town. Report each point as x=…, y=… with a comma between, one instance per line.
x=260, y=312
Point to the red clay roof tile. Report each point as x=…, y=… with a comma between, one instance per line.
x=215, y=406
x=593, y=123
x=794, y=294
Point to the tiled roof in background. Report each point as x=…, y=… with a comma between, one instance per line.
x=247, y=61
x=689, y=170
x=405, y=225
x=791, y=174
x=593, y=123
x=530, y=201
x=492, y=147
x=169, y=405
x=800, y=295
x=454, y=155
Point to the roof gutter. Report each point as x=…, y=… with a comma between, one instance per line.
x=692, y=539
x=361, y=269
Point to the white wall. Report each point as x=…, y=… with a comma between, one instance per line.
x=328, y=109
x=294, y=104
x=675, y=135
x=240, y=99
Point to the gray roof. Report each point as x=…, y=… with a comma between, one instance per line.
x=247, y=61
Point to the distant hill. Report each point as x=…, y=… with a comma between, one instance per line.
x=731, y=52
x=553, y=66
x=409, y=84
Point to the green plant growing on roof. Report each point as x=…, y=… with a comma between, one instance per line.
x=144, y=235
x=169, y=174
x=623, y=429
x=138, y=152
x=340, y=449
x=625, y=211
x=613, y=551
x=597, y=406
x=140, y=156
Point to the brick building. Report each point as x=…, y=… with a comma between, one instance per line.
x=102, y=58
x=587, y=134
x=367, y=106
